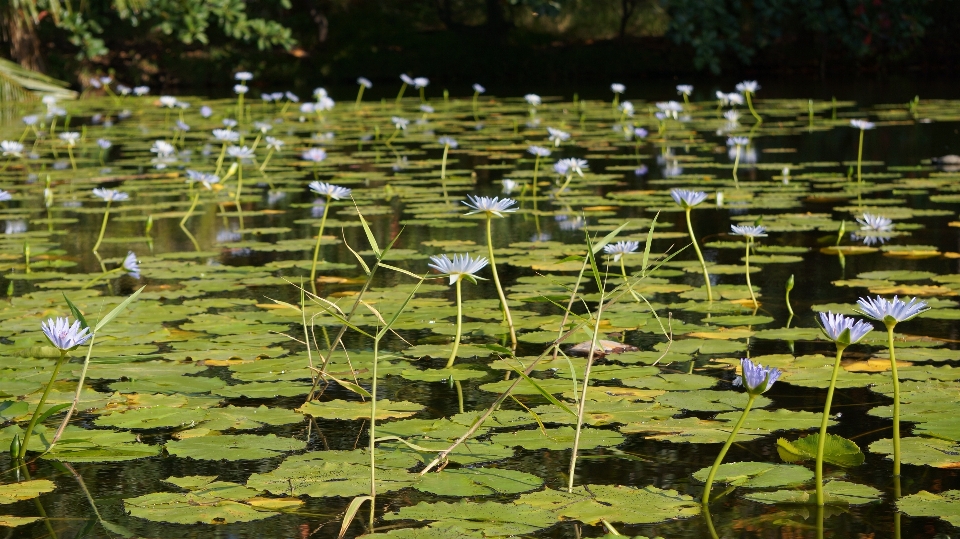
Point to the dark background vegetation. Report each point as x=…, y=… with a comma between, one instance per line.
x=194, y=45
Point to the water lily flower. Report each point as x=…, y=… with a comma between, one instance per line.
x=843, y=330
x=30, y=119
x=620, y=248
x=617, y=88
x=131, y=266
x=163, y=148
x=335, y=192
x=491, y=206
x=263, y=127
x=640, y=132
x=862, y=124
x=315, y=155
x=570, y=165
x=735, y=98
x=292, y=97
x=5, y=195
x=365, y=82
x=406, y=79
x=626, y=108
x=324, y=103
x=533, y=99
x=70, y=137
x=756, y=378
x=732, y=116
x=110, y=195
x=557, y=136
x=240, y=152
x=890, y=312
x=748, y=86
x=737, y=141
x=671, y=109
x=226, y=135
x=243, y=76
x=875, y=223
x=479, y=89
x=15, y=226
x=206, y=179
x=240, y=89
x=684, y=89
x=64, y=335
x=448, y=141
x=168, y=101
x=538, y=151
x=748, y=231
x=123, y=89
x=141, y=90
x=206, y=111
x=427, y=109
x=274, y=143
x=421, y=82
x=459, y=267
x=687, y=199
x=11, y=147
x=182, y=126
x=509, y=185
x=399, y=123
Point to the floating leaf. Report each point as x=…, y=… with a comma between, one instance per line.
x=478, y=482
x=945, y=505
x=341, y=409
x=757, y=474
x=837, y=450
x=233, y=447
x=25, y=490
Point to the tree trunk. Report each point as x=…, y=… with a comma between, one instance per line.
x=23, y=39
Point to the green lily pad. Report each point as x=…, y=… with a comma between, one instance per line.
x=478, y=482
x=614, y=503
x=233, y=447
x=25, y=490
x=341, y=409
x=757, y=474
x=835, y=493
x=558, y=438
x=922, y=451
x=837, y=450
x=945, y=505
x=336, y=473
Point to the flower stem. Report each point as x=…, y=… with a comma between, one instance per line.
x=316, y=248
x=496, y=281
x=456, y=340
x=822, y=439
x=236, y=198
x=594, y=343
x=693, y=239
x=736, y=163
x=223, y=152
x=43, y=400
x=103, y=227
x=565, y=184
x=752, y=110
x=723, y=451
x=896, y=401
x=359, y=97
x=860, y=157
x=73, y=163
x=750, y=286
x=403, y=88
x=443, y=174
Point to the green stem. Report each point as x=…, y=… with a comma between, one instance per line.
x=359, y=97
x=459, y=394
x=750, y=286
x=860, y=157
x=373, y=424
x=316, y=248
x=103, y=227
x=456, y=340
x=536, y=168
x=583, y=395
x=822, y=439
x=726, y=447
x=496, y=281
x=896, y=401
x=752, y=110
x=443, y=173
x=403, y=88
x=263, y=165
x=43, y=400
x=223, y=152
x=565, y=184
x=236, y=198
x=736, y=163
x=693, y=239
x=73, y=163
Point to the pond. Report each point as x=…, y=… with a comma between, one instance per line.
x=285, y=266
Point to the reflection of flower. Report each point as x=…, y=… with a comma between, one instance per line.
x=891, y=311
x=459, y=267
x=64, y=335
x=620, y=248
x=131, y=266
x=843, y=330
x=508, y=185
x=871, y=238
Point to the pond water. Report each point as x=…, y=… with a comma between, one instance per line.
x=197, y=417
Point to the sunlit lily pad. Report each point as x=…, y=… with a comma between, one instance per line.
x=757, y=474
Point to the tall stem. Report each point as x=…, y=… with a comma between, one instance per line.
x=236, y=198
x=750, y=286
x=443, y=173
x=103, y=227
x=860, y=157
x=223, y=152
x=736, y=163
x=703, y=265
x=456, y=340
x=359, y=97
x=896, y=401
x=43, y=400
x=496, y=281
x=373, y=424
x=726, y=447
x=536, y=168
x=750, y=105
x=403, y=88
x=316, y=248
x=583, y=394
x=822, y=439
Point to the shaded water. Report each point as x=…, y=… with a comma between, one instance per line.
x=820, y=159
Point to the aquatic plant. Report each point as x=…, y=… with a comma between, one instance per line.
x=757, y=380
x=617, y=89
x=477, y=90
x=738, y=143
x=331, y=192
x=891, y=313
x=458, y=268
x=843, y=331
x=109, y=196
x=490, y=208
x=862, y=125
x=686, y=90
x=448, y=142
x=750, y=232
x=363, y=83
x=688, y=200
x=748, y=88
x=568, y=167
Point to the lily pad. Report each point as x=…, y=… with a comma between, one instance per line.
x=757, y=474
x=234, y=447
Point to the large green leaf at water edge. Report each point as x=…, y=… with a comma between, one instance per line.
x=341, y=409
x=837, y=450
x=921, y=451
x=757, y=474
x=477, y=482
x=25, y=490
x=83, y=445
x=337, y=473
x=234, y=447
x=493, y=519
x=558, y=438
x=690, y=430
x=613, y=503
x=207, y=502
x=945, y=505
x=835, y=493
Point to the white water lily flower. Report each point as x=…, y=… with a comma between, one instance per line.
x=748, y=231
x=30, y=119
x=240, y=89
x=70, y=137
x=875, y=223
x=64, y=335
x=617, y=88
x=421, y=82
x=538, y=151
x=240, y=152
x=479, y=89
x=365, y=82
x=274, y=143
x=206, y=179
x=399, y=123
x=756, y=378
x=329, y=190
x=557, y=136
x=738, y=141
x=509, y=186
x=627, y=108
x=243, y=76
x=735, y=99
x=291, y=97
x=141, y=90
x=226, y=135
x=684, y=89
x=162, y=148
x=110, y=195
x=533, y=99
x=687, y=199
x=315, y=155
x=263, y=127
x=570, y=165
x=843, y=330
x=460, y=267
x=168, y=101
x=748, y=86
x=406, y=79
x=131, y=266
x=5, y=196
x=862, y=124
x=11, y=147
x=732, y=116
x=620, y=248
x=891, y=311
x=448, y=141
x=492, y=206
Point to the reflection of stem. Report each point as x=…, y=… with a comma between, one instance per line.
x=496, y=281
x=896, y=514
x=896, y=401
x=83, y=487
x=456, y=340
x=693, y=239
x=103, y=227
x=43, y=400
x=710, y=528
x=723, y=451
x=459, y=394
x=36, y=501
x=183, y=222
x=819, y=522
x=750, y=286
x=316, y=248
x=822, y=440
